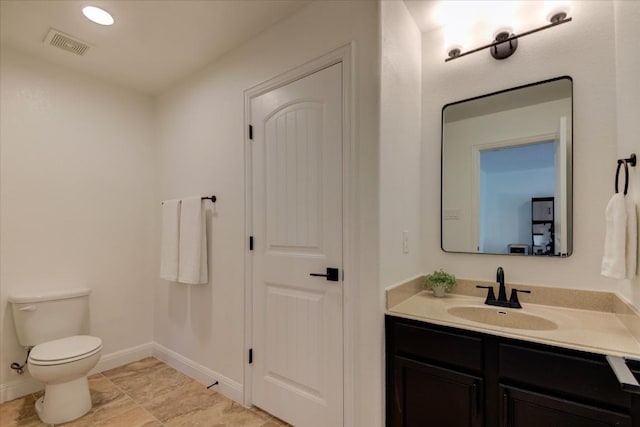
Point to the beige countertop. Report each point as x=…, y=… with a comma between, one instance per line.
x=609, y=326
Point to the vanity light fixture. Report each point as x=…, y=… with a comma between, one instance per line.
x=97, y=15
x=506, y=42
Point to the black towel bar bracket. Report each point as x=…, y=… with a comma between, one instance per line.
x=630, y=161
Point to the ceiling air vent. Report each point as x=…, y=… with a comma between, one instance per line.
x=65, y=41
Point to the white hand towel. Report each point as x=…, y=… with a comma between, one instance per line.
x=193, y=242
x=632, y=238
x=169, y=239
x=614, y=258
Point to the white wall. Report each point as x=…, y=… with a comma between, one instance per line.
x=400, y=115
x=78, y=194
x=201, y=136
x=627, y=34
x=505, y=206
x=583, y=49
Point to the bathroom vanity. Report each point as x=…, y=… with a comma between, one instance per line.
x=444, y=370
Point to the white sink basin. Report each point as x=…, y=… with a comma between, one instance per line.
x=507, y=318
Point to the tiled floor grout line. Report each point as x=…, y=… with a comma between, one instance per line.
x=134, y=400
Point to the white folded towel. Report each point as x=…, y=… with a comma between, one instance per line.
x=170, y=237
x=193, y=242
x=632, y=238
x=614, y=258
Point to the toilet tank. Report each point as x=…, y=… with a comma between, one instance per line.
x=46, y=316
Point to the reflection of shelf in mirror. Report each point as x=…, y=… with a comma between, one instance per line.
x=451, y=214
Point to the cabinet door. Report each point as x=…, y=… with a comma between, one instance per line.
x=426, y=395
x=520, y=408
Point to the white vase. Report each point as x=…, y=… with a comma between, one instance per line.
x=438, y=291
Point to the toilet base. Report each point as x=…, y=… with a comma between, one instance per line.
x=64, y=402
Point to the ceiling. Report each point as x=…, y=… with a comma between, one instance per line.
x=424, y=13
x=152, y=44
x=155, y=43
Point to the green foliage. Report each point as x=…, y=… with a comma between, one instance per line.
x=440, y=278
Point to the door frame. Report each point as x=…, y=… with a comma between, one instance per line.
x=344, y=55
x=475, y=173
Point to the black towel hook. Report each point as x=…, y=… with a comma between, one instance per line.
x=630, y=161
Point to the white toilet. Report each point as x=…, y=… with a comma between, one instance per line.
x=54, y=325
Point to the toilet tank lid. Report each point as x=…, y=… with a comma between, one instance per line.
x=48, y=295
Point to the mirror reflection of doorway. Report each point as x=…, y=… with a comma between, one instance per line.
x=510, y=177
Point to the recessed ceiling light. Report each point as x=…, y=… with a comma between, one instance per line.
x=97, y=15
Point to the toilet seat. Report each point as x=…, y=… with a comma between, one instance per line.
x=65, y=350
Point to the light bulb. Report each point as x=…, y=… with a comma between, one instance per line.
x=97, y=15
x=502, y=16
x=457, y=18
x=556, y=10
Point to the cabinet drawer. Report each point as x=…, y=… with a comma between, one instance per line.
x=568, y=374
x=449, y=348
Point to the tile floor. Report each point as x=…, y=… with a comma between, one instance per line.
x=146, y=393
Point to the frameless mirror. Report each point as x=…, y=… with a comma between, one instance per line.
x=507, y=171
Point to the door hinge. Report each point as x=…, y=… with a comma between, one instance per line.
x=250, y=356
x=250, y=132
x=250, y=243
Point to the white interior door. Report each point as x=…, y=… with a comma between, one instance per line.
x=297, y=326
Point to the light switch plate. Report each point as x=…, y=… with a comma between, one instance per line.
x=405, y=242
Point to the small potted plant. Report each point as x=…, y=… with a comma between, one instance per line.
x=440, y=282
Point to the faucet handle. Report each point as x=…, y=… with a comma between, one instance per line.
x=513, y=299
x=490, y=295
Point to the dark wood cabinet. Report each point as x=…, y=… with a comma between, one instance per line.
x=443, y=376
x=522, y=408
x=442, y=396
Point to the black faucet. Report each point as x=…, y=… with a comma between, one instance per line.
x=502, y=293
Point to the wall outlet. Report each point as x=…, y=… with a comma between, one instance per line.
x=405, y=242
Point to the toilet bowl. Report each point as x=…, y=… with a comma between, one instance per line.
x=62, y=365
x=54, y=325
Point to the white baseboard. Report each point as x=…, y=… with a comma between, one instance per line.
x=123, y=357
x=230, y=388
x=15, y=389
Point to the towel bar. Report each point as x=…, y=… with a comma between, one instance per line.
x=212, y=198
x=630, y=161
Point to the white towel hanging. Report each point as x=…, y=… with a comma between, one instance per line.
x=613, y=260
x=193, y=242
x=169, y=239
x=631, y=238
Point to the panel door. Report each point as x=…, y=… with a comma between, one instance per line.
x=297, y=227
x=427, y=395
